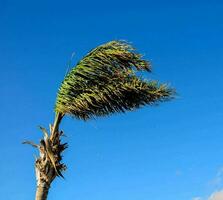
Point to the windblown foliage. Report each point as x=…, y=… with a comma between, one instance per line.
x=105, y=82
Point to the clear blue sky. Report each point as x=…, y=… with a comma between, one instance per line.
x=171, y=152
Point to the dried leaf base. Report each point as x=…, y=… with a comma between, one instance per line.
x=48, y=165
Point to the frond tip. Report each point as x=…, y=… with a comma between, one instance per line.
x=105, y=82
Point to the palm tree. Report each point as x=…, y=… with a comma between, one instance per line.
x=105, y=81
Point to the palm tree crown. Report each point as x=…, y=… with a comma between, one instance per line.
x=105, y=82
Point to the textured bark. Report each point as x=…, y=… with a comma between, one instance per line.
x=42, y=191
x=45, y=174
x=48, y=165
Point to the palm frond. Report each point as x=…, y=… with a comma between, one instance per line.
x=105, y=82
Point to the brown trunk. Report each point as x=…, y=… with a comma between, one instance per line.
x=42, y=191
x=48, y=165
x=45, y=174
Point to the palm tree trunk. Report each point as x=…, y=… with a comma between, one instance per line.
x=48, y=165
x=42, y=191
x=45, y=174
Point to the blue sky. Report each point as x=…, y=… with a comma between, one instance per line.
x=173, y=151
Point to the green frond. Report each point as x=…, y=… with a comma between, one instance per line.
x=104, y=82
